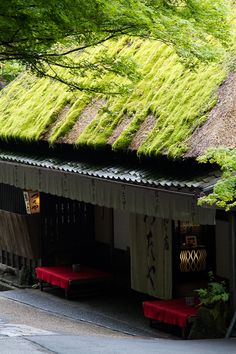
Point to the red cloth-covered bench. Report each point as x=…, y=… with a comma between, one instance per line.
x=175, y=311
x=64, y=276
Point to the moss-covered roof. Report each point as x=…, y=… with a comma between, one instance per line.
x=159, y=116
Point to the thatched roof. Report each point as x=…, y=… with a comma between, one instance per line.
x=169, y=112
x=220, y=127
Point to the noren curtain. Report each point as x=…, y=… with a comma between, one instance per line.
x=151, y=256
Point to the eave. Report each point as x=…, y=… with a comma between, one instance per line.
x=148, y=191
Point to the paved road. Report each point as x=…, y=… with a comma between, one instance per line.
x=107, y=345
x=28, y=330
x=13, y=312
x=120, y=312
x=21, y=325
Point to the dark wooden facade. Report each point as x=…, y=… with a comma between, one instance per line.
x=61, y=233
x=66, y=229
x=20, y=242
x=64, y=233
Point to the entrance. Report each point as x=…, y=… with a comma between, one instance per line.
x=193, y=257
x=67, y=230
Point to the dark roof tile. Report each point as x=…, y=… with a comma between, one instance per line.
x=153, y=177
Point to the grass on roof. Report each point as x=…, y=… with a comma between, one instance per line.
x=177, y=97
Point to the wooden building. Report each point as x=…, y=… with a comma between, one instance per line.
x=114, y=180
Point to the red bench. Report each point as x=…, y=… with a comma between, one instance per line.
x=175, y=311
x=64, y=276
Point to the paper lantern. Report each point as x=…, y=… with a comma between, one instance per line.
x=193, y=259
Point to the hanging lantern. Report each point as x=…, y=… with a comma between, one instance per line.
x=32, y=202
x=193, y=259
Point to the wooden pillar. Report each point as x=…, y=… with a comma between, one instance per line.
x=232, y=253
x=112, y=241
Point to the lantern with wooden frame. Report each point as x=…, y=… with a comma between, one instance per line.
x=32, y=201
x=193, y=259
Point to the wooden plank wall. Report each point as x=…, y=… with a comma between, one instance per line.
x=20, y=234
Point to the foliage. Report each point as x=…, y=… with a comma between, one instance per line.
x=42, y=33
x=214, y=293
x=211, y=318
x=224, y=191
x=9, y=71
x=176, y=98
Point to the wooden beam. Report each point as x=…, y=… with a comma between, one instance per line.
x=232, y=253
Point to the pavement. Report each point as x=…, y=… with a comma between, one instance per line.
x=116, y=311
x=123, y=328
x=105, y=345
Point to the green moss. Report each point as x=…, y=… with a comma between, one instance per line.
x=29, y=106
x=66, y=124
x=181, y=107
x=177, y=97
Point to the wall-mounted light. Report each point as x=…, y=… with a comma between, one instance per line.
x=193, y=259
x=32, y=202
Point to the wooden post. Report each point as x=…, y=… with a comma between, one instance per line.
x=67, y=293
x=231, y=326
x=112, y=241
x=232, y=253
